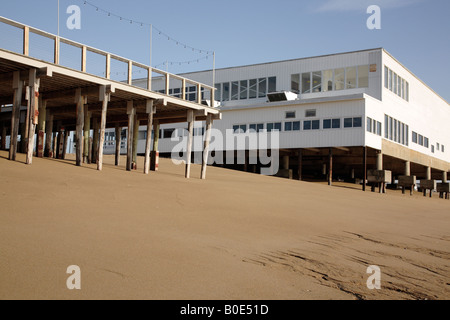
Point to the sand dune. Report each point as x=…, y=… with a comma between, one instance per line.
x=233, y=236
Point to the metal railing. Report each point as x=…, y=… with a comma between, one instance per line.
x=84, y=51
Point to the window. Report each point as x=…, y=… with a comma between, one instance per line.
x=311, y=125
x=386, y=126
x=296, y=126
x=218, y=92
x=339, y=79
x=242, y=128
x=438, y=146
x=235, y=90
x=351, y=78
x=386, y=77
x=353, y=122
x=167, y=133
x=369, y=124
x=379, y=128
x=253, y=89
x=274, y=126
x=432, y=148
x=259, y=127
x=426, y=142
x=295, y=83
x=415, y=137
x=272, y=85
x=391, y=78
x=348, y=123
x=310, y=113
x=443, y=148
x=244, y=90
x=290, y=115
x=317, y=81
x=332, y=124
x=226, y=91
x=327, y=124
x=262, y=87
x=327, y=81
x=396, y=84
x=420, y=140
x=306, y=82
x=363, y=76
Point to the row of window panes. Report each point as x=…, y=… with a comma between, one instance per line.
x=395, y=130
x=331, y=80
x=191, y=93
x=374, y=126
x=245, y=89
x=439, y=147
x=296, y=125
x=420, y=140
x=396, y=84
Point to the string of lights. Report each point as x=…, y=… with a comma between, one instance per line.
x=159, y=31
x=172, y=63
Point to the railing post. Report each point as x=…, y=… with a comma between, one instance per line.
x=212, y=97
x=183, y=90
x=83, y=58
x=57, y=49
x=108, y=66
x=199, y=93
x=167, y=83
x=130, y=72
x=149, y=79
x=26, y=40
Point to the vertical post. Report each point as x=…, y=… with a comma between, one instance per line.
x=364, y=168
x=130, y=72
x=83, y=58
x=150, y=112
x=61, y=141
x=18, y=87
x=213, y=97
x=300, y=164
x=209, y=122
x=167, y=83
x=379, y=160
x=199, y=93
x=444, y=176
x=407, y=168
x=183, y=89
x=55, y=143
x=26, y=41
x=3, y=143
x=190, y=120
x=330, y=166
x=95, y=141
x=80, y=119
x=149, y=79
x=87, y=134
x=118, y=144
x=108, y=66
x=66, y=138
x=135, y=141
x=131, y=111
x=41, y=127
x=104, y=97
x=428, y=173
x=34, y=113
x=48, y=136
x=57, y=50
x=154, y=159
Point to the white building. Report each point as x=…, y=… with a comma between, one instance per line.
x=342, y=103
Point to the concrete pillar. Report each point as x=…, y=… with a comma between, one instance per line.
x=118, y=144
x=407, y=168
x=352, y=173
x=135, y=141
x=87, y=134
x=190, y=120
x=79, y=128
x=444, y=177
x=286, y=162
x=330, y=166
x=428, y=173
x=154, y=158
x=209, y=122
x=300, y=164
x=379, y=160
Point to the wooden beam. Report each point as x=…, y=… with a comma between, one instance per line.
x=80, y=124
x=87, y=135
x=41, y=127
x=26, y=41
x=118, y=144
x=34, y=113
x=105, y=96
x=108, y=66
x=131, y=111
x=83, y=58
x=150, y=112
x=18, y=87
x=135, y=141
x=48, y=138
x=130, y=72
x=191, y=120
x=154, y=159
x=209, y=122
x=95, y=140
x=57, y=50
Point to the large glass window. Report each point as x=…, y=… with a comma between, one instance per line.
x=295, y=83
x=306, y=82
x=351, y=78
x=386, y=126
x=399, y=87
x=386, y=77
x=262, y=87
x=272, y=84
x=363, y=76
x=244, y=90
x=339, y=79
x=257, y=127
x=391, y=78
x=235, y=90
x=327, y=124
x=218, y=93
x=327, y=80
x=253, y=89
x=317, y=81
x=395, y=83
x=226, y=91
x=274, y=126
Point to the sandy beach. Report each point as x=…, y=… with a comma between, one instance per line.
x=234, y=236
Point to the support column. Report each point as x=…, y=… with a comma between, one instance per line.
x=95, y=141
x=87, y=135
x=18, y=88
x=300, y=164
x=379, y=160
x=407, y=168
x=55, y=143
x=150, y=111
x=80, y=124
x=190, y=120
x=34, y=112
x=428, y=173
x=131, y=111
x=118, y=144
x=135, y=141
x=66, y=138
x=41, y=127
x=104, y=98
x=3, y=142
x=209, y=122
x=286, y=163
x=364, y=168
x=61, y=141
x=330, y=166
x=154, y=159
x=48, y=138
x=444, y=177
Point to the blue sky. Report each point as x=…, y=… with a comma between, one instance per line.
x=416, y=32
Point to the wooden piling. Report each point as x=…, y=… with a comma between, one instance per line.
x=209, y=122
x=131, y=111
x=95, y=141
x=48, y=135
x=3, y=141
x=104, y=97
x=150, y=111
x=154, y=159
x=87, y=135
x=135, y=141
x=190, y=120
x=118, y=144
x=34, y=112
x=330, y=166
x=80, y=124
x=300, y=164
x=15, y=120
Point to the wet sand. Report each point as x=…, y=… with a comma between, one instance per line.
x=234, y=236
